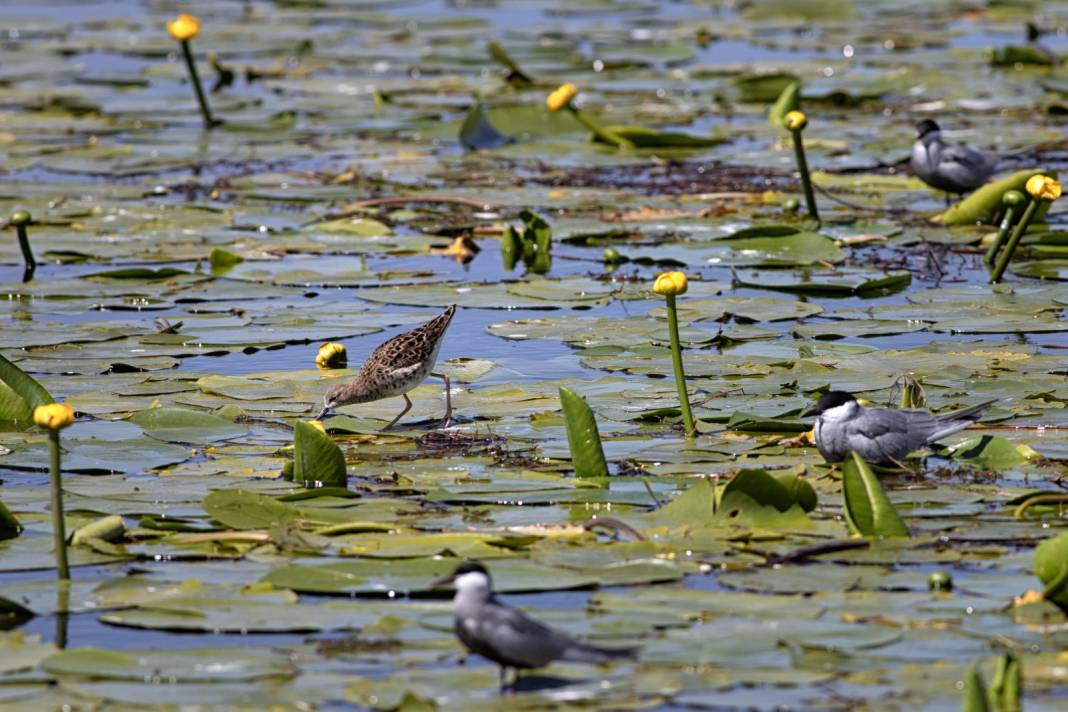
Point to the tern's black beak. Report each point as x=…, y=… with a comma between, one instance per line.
x=443, y=581
x=814, y=410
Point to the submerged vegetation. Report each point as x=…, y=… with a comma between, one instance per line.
x=634, y=466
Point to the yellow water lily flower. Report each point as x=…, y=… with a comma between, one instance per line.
x=318, y=425
x=561, y=97
x=53, y=416
x=184, y=27
x=671, y=283
x=1043, y=188
x=795, y=121
x=331, y=355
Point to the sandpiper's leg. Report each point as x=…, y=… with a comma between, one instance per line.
x=448, y=399
x=407, y=407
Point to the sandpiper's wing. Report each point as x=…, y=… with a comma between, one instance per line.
x=412, y=348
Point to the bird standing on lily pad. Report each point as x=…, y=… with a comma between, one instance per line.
x=954, y=169
x=396, y=367
x=882, y=436
x=509, y=637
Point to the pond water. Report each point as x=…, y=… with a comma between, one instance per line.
x=198, y=272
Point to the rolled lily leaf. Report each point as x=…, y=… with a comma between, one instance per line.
x=317, y=460
x=478, y=133
x=583, y=438
x=644, y=137
x=511, y=247
x=762, y=88
x=800, y=491
x=1051, y=568
x=1005, y=688
x=110, y=528
x=789, y=100
x=501, y=56
x=974, y=692
x=983, y=205
x=222, y=260
x=868, y=511
x=755, y=498
x=19, y=393
x=9, y=525
x=1011, y=55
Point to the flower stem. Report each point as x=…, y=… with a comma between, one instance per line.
x=676, y=360
x=27, y=253
x=1014, y=241
x=58, y=527
x=205, y=110
x=806, y=181
x=1003, y=233
x=62, y=614
x=598, y=130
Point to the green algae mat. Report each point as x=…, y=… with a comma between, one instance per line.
x=379, y=161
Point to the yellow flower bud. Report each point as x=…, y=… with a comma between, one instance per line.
x=331, y=355
x=671, y=283
x=53, y=416
x=795, y=121
x=318, y=425
x=561, y=97
x=1043, y=188
x=184, y=27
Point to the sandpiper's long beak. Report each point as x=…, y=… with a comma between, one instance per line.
x=322, y=412
x=810, y=412
x=443, y=581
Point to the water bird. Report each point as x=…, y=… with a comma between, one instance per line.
x=509, y=637
x=952, y=168
x=396, y=367
x=882, y=436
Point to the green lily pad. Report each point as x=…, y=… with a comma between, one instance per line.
x=186, y=426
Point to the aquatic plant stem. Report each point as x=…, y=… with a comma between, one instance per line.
x=21, y=219
x=205, y=111
x=676, y=360
x=598, y=130
x=806, y=180
x=58, y=527
x=1014, y=241
x=1003, y=233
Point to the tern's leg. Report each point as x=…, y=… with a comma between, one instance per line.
x=504, y=679
x=448, y=399
x=407, y=407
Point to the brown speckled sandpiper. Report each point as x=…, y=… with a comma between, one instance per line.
x=396, y=367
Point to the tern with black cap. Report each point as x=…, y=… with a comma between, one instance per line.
x=952, y=168
x=882, y=436
x=509, y=637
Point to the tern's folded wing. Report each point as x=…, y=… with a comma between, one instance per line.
x=519, y=639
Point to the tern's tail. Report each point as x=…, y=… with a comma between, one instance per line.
x=586, y=653
x=949, y=423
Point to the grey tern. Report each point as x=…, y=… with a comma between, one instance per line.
x=952, y=168
x=509, y=637
x=882, y=436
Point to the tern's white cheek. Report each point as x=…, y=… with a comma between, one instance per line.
x=472, y=585
x=840, y=412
